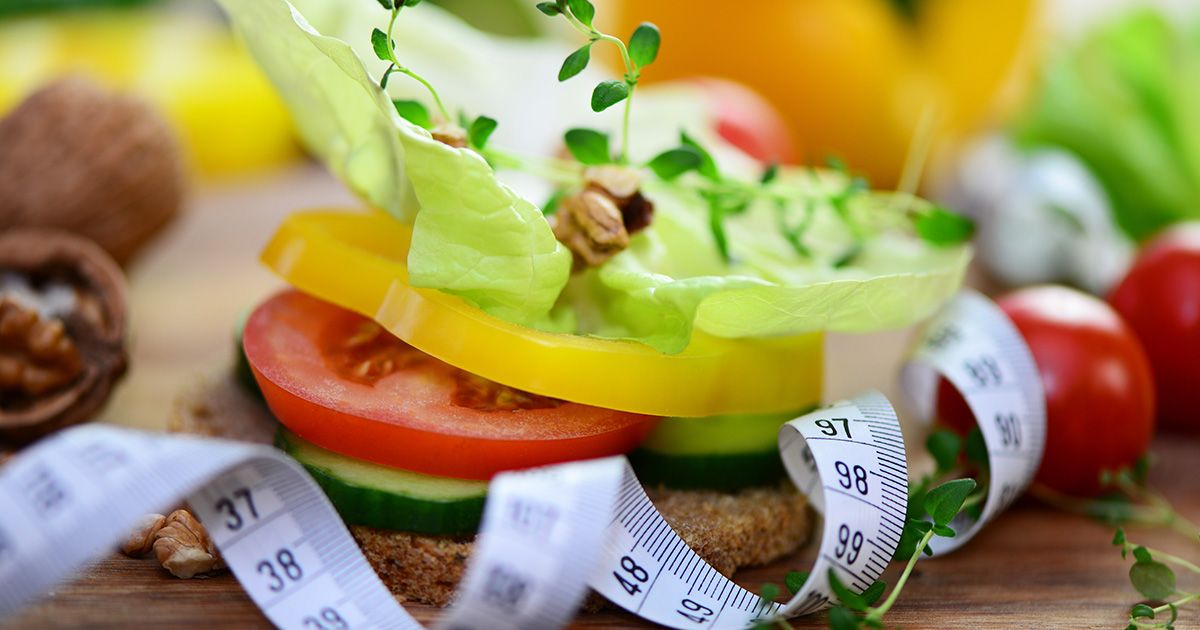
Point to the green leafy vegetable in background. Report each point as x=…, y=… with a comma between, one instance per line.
x=1125, y=101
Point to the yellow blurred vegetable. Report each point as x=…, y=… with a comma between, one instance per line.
x=186, y=64
x=853, y=77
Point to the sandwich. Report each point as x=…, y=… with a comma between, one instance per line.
x=670, y=307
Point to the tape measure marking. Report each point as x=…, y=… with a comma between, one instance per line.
x=542, y=532
x=974, y=345
x=850, y=459
x=546, y=533
x=73, y=496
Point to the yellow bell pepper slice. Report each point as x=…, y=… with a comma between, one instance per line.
x=357, y=261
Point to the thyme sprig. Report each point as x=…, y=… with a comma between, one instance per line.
x=796, y=200
x=1133, y=502
x=640, y=52
x=937, y=509
x=474, y=133
x=1153, y=577
x=385, y=48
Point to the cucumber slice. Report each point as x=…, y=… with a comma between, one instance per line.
x=728, y=434
x=728, y=452
x=389, y=498
x=722, y=471
x=241, y=366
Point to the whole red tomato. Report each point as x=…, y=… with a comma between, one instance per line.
x=1099, y=390
x=1160, y=298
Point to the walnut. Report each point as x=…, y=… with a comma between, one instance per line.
x=596, y=222
x=589, y=223
x=62, y=331
x=619, y=181
x=78, y=158
x=183, y=547
x=141, y=538
x=36, y=355
x=450, y=134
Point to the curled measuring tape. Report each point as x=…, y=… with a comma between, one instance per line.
x=71, y=497
x=974, y=345
x=547, y=534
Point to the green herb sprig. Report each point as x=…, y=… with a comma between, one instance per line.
x=938, y=507
x=1130, y=501
x=385, y=48
x=640, y=52
x=1133, y=501
x=727, y=197
x=947, y=449
x=1153, y=577
x=795, y=203
x=478, y=132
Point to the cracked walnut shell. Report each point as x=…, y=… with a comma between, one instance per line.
x=62, y=331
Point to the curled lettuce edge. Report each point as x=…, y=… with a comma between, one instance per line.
x=476, y=238
x=473, y=236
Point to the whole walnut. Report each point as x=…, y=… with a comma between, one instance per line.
x=78, y=158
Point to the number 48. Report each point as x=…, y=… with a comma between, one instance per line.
x=635, y=571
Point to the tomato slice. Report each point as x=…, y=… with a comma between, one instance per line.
x=338, y=380
x=357, y=261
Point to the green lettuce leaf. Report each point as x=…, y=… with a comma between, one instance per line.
x=340, y=113
x=475, y=238
x=671, y=280
x=472, y=236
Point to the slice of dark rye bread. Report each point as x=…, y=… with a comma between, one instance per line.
x=728, y=530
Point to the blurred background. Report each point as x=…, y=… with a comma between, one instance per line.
x=1067, y=129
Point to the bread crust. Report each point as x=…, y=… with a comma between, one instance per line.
x=728, y=530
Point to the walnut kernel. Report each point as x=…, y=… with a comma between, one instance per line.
x=36, y=354
x=590, y=225
x=450, y=134
x=596, y=222
x=183, y=547
x=141, y=538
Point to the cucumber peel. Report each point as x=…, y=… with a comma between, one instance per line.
x=389, y=498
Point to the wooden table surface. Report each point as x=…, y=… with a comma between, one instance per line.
x=1033, y=567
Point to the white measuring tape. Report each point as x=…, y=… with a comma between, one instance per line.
x=974, y=345
x=547, y=533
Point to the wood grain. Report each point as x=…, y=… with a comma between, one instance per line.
x=1033, y=567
